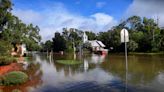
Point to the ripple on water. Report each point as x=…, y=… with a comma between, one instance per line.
x=114, y=86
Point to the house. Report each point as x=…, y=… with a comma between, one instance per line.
x=95, y=45
x=19, y=50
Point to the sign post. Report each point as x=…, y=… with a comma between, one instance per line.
x=124, y=39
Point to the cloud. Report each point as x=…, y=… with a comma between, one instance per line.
x=100, y=4
x=56, y=17
x=28, y=16
x=147, y=8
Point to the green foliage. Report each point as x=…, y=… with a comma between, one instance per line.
x=5, y=60
x=5, y=48
x=73, y=38
x=134, y=22
x=47, y=46
x=111, y=39
x=69, y=62
x=14, y=78
x=5, y=7
x=14, y=31
x=132, y=46
x=136, y=35
x=91, y=35
x=145, y=35
x=59, y=43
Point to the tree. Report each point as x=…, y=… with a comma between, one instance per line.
x=134, y=22
x=14, y=31
x=59, y=43
x=5, y=8
x=132, y=46
x=47, y=46
x=5, y=48
x=161, y=40
x=73, y=38
x=91, y=35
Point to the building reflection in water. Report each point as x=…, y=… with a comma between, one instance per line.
x=97, y=69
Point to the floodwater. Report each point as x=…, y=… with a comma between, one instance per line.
x=97, y=73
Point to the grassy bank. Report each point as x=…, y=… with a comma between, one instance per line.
x=13, y=78
x=5, y=60
x=146, y=53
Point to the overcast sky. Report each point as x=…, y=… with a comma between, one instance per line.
x=91, y=15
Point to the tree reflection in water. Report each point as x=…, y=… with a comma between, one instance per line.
x=35, y=74
x=141, y=69
x=96, y=73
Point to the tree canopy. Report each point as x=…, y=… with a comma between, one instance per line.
x=14, y=31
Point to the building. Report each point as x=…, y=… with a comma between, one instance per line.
x=24, y=50
x=85, y=38
x=95, y=45
x=19, y=50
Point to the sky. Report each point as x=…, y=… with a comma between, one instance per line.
x=88, y=15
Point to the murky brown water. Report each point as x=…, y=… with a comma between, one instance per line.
x=98, y=73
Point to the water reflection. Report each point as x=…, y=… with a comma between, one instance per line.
x=97, y=73
x=142, y=70
x=94, y=58
x=33, y=69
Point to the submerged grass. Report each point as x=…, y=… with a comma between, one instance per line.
x=69, y=62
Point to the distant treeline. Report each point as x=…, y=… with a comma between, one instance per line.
x=145, y=36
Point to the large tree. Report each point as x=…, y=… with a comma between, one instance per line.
x=91, y=35
x=5, y=8
x=14, y=31
x=59, y=43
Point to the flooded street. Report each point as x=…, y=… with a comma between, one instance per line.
x=97, y=73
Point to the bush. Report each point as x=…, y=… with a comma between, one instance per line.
x=5, y=48
x=14, y=78
x=5, y=60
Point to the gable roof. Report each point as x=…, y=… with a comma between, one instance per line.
x=100, y=43
x=96, y=43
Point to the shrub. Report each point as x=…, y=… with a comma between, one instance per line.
x=5, y=48
x=5, y=60
x=14, y=78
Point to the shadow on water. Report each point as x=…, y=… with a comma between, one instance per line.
x=97, y=73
